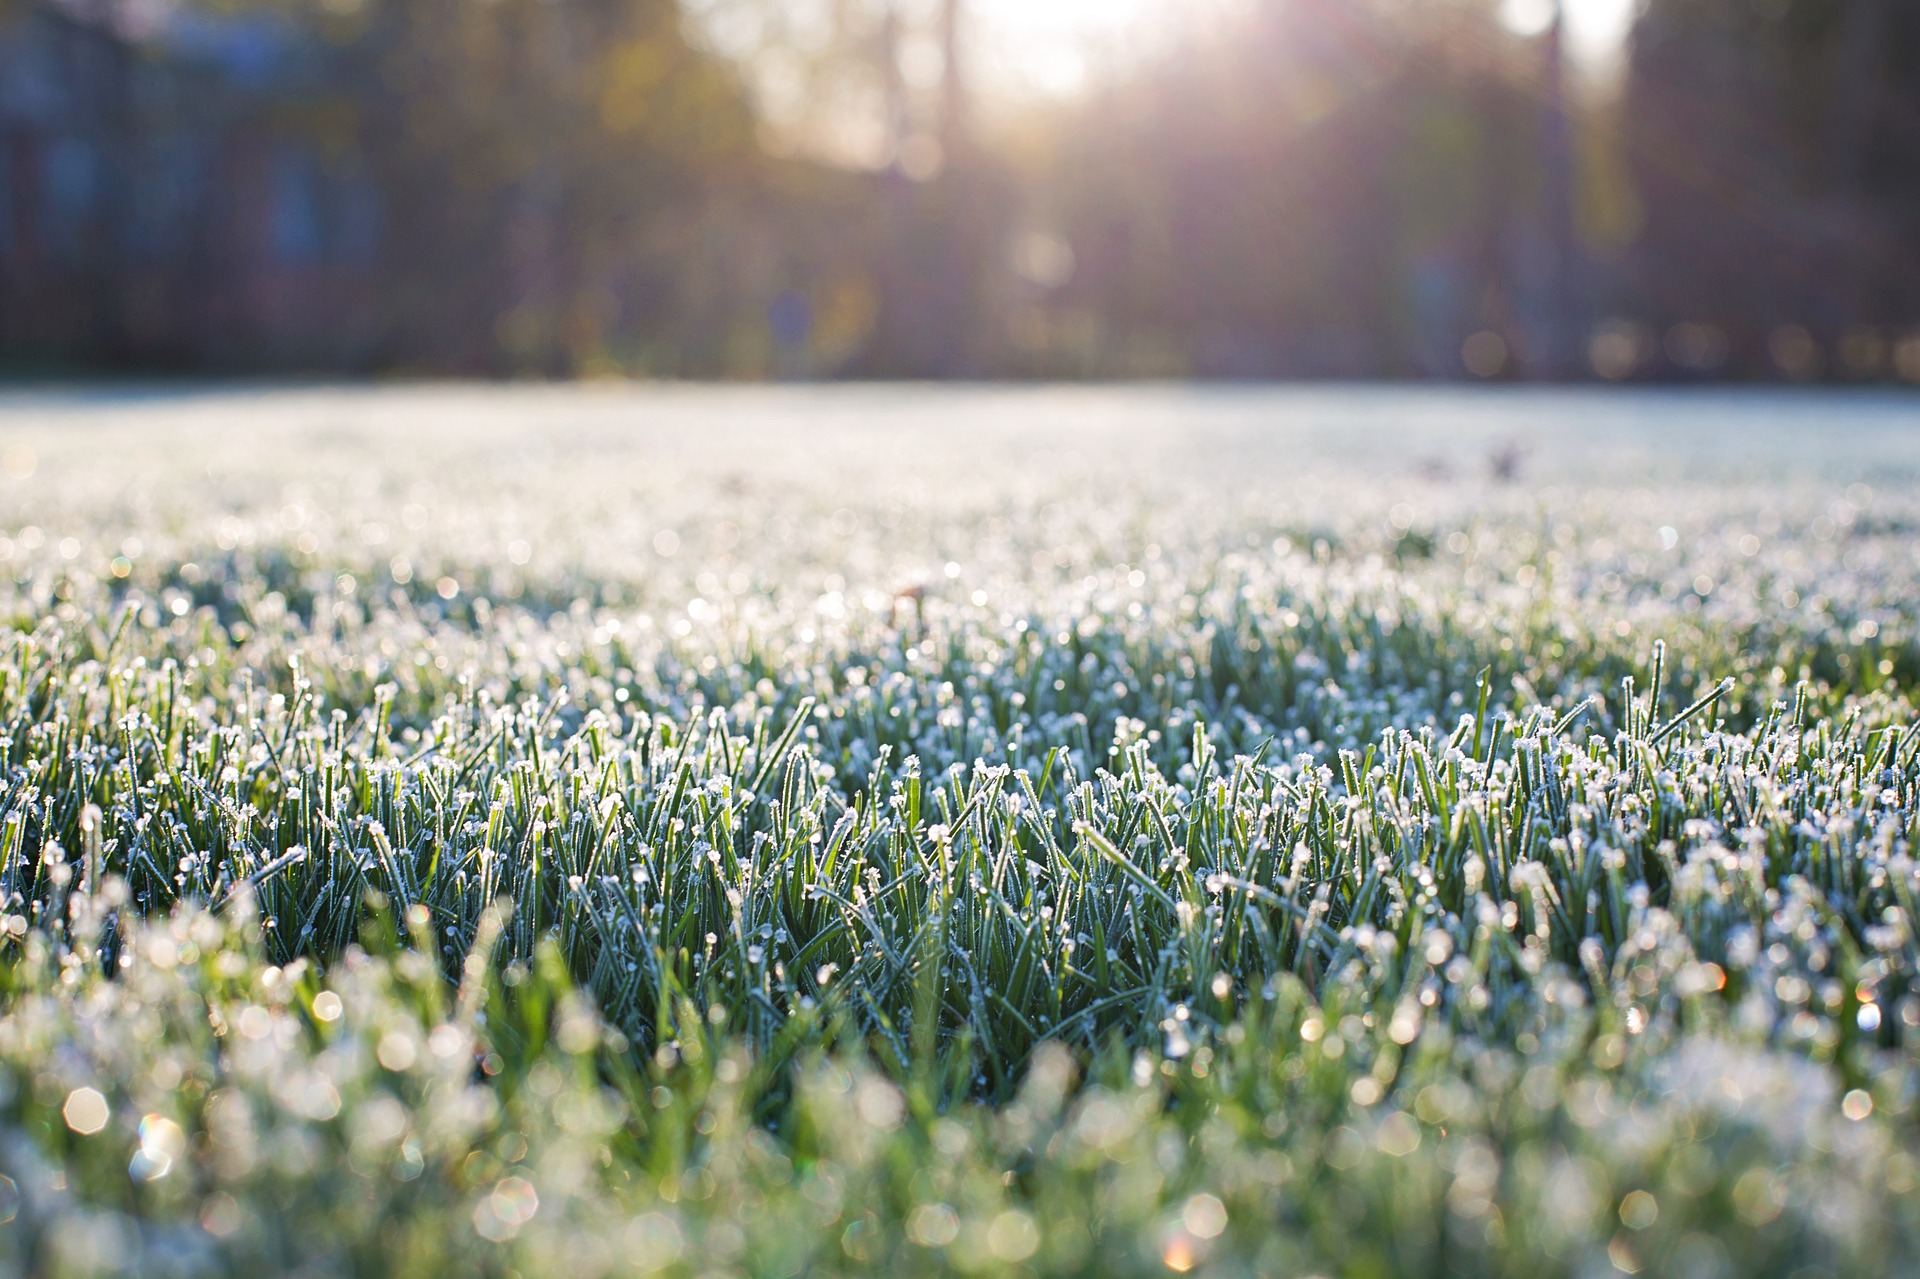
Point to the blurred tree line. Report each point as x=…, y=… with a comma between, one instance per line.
x=1776, y=160
x=764, y=188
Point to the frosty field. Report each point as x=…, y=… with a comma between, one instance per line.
x=906, y=831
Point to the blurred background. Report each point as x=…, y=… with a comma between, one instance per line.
x=1648, y=190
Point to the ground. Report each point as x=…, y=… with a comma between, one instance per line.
x=887, y=830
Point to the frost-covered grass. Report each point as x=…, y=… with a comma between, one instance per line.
x=980, y=832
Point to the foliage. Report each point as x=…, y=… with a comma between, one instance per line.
x=753, y=189
x=534, y=160
x=1782, y=129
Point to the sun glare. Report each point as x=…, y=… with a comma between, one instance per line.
x=1596, y=29
x=1052, y=45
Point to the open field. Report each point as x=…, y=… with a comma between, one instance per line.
x=777, y=832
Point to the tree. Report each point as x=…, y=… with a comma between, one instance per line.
x=1781, y=134
x=530, y=155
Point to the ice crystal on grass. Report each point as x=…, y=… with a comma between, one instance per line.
x=772, y=861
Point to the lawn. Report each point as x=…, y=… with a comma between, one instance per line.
x=789, y=832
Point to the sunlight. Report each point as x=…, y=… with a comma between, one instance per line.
x=1596, y=30
x=1052, y=45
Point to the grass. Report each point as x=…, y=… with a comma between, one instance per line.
x=856, y=852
